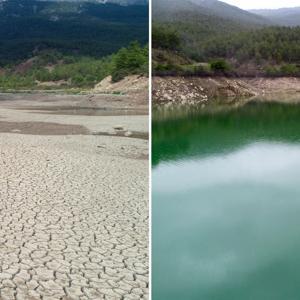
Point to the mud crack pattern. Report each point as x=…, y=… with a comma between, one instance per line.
x=73, y=219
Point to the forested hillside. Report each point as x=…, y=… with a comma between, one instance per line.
x=28, y=26
x=196, y=22
x=275, y=44
x=51, y=44
x=190, y=40
x=52, y=70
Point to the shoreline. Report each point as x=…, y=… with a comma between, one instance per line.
x=202, y=90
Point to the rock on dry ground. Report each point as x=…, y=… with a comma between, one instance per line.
x=73, y=216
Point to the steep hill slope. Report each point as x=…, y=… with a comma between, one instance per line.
x=198, y=21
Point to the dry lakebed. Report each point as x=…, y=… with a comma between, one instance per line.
x=74, y=197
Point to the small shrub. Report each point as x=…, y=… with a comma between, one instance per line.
x=220, y=65
x=289, y=69
x=271, y=71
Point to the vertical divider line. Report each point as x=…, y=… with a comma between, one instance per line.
x=150, y=150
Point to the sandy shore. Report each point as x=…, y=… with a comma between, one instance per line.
x=74, y=205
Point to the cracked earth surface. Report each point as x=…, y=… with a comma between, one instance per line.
x=73, y=217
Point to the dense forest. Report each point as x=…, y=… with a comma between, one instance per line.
x=71, y=28
x=73, y=44
x=276, y=44
x=195, y=43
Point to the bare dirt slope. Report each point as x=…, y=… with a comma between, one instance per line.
x=134, y=86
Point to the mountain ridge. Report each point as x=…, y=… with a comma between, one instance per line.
x=286, y=16
x=162, y=8
x=227, y=11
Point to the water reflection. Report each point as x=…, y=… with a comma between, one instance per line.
x=226, y=204
x=194, y=132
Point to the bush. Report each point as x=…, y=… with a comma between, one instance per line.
x=271, y=71
x=167, y=67
x=284, y=70
x=289, y=69
x=220, y=65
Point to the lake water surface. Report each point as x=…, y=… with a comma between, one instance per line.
x=226, y=203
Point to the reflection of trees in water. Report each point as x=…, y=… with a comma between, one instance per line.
x=200, y=133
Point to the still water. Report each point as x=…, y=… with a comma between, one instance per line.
x=226, y=203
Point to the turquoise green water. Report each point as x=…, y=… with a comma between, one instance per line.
x=226, y=203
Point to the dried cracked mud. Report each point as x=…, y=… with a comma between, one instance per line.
x=73, y=217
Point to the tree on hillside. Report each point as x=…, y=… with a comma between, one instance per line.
x=165, y=38
x=130, y=60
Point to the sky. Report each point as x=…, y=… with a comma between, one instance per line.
x=253, y=4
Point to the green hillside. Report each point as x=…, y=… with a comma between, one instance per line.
x=52, y=70
x=90, y=29
x=234, y=42
x=274, y=44
x=196, y=24
x=70, y=44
